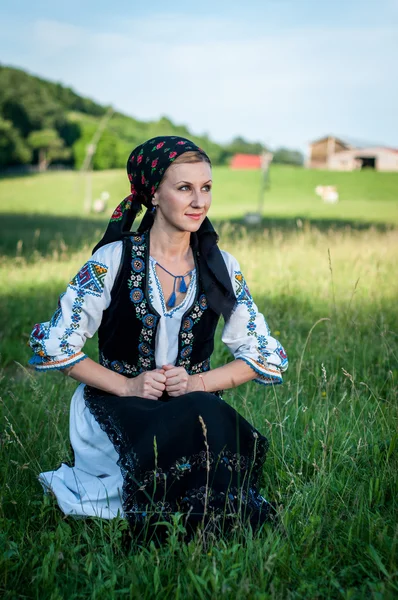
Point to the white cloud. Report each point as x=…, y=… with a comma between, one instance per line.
x=221, y=76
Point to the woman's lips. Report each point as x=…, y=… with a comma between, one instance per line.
x=195, y=217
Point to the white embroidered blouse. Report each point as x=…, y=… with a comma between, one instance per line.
x=58, y=343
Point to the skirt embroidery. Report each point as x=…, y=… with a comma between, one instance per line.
x=162, y=472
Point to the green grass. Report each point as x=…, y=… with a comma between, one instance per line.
x=329, y=292
x=45, y=212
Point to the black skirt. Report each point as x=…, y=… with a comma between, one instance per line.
x=193, y=454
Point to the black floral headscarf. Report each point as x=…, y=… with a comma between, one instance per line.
x=146, y=167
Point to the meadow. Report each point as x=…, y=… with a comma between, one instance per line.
x=325, y=278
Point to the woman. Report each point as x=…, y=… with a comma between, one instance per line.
x=150, y=433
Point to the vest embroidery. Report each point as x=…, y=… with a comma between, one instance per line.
x=120, y=366
x=186, y=336
x=136, y=284
x=197, y=325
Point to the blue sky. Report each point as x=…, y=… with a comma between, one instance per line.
x=280, y=71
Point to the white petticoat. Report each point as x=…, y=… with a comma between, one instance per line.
x=93, y=487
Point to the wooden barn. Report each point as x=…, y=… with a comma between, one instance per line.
x=323, y=149
x=335, y=154
x=378, y=158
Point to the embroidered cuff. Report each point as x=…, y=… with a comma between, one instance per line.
x=42, y=363
x=267, y=374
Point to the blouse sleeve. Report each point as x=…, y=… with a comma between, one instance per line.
x=247, y=334
x=58, y=343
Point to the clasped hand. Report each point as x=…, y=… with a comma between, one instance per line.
x=151, y=384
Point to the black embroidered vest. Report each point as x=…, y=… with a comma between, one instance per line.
x=128, y=330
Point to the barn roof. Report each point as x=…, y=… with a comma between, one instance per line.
x=246, y=161
x=362, y=152
x=336, y=137
x=351, y=142
x=357, y=143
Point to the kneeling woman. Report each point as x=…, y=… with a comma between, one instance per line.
x=150, y=433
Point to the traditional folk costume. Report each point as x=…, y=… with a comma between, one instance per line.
x=147, y=459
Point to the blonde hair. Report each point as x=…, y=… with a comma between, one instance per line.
x=192, y=156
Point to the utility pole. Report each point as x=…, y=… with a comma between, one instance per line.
x=86, y=167
x=266, y=159
x=255, y=218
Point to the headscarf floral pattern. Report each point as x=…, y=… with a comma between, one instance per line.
x=146, y=167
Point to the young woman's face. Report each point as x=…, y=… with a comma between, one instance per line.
x=183, y=199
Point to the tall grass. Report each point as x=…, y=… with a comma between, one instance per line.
x=330, y=297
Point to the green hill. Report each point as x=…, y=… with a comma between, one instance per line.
x=43, y=122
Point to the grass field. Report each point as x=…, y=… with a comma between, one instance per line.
x=45, y=212
x=325, y=278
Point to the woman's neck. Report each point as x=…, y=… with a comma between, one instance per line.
x=170, y=246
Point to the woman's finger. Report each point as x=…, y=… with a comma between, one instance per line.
x=150, y=397
x=173, y=372
x=156, y=393
x=173, y=380
x=157, y=376
x=173, y=388
x=157, y=385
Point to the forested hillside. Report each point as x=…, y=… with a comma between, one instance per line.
x=43, y=122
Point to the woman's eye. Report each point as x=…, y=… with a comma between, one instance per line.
x=183, y=188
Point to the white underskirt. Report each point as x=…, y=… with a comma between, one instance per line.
x=93, y=487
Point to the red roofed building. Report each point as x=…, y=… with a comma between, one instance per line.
x=246, y=161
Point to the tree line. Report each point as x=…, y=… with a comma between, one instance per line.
x=42, y=122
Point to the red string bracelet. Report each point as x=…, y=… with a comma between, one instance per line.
x=203, y=381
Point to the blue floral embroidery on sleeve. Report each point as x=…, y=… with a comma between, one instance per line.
x=243, y=296
x=89, y=280
x=262, y=345
x=272, y=373
x=282, y=355
x=37, y=339
x=57, y=315
x=77, y=308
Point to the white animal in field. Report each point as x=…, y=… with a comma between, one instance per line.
x=99, y=204
x=328, y=193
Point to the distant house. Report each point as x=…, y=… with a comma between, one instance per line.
x=246, y=161
x=336, y=154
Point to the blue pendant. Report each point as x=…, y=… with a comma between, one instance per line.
x=172, y=300
x=183, y=286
